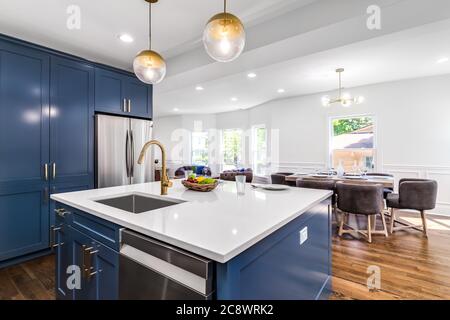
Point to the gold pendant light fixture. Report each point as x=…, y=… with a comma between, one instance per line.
x=224, y=36
x=148, y=65
x=345, y=99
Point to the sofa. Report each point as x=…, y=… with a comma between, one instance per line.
x=179, y=173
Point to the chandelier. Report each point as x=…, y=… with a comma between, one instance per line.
x=345, y=99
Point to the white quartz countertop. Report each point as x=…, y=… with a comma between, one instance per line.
x=217, y=225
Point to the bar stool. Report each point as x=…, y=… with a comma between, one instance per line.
x=414, y=194
x=360, y=200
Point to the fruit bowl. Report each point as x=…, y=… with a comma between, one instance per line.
x=200, y=185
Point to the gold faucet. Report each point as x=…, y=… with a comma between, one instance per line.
x=165, y=182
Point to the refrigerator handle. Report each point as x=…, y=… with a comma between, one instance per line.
x=132, y=154
x=127, y=153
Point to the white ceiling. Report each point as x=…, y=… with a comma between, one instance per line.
x=292, y=44
x=407, y=54
x=177, y=24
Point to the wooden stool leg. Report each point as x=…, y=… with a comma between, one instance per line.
x=392, y=220
x=341, y=225
x=384, y=224
x=369, y=229
x=424, y=223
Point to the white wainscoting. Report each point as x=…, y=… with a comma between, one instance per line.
x=440, y=174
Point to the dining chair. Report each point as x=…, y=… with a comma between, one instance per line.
x=414, y=194
x=360, y=200
x=386, y=191
x=280, y=177
x=319, y=184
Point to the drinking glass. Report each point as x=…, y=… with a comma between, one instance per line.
x=240, y=184
x=187, y=173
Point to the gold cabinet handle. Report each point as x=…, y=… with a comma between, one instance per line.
x=53, y=231
x=61, y=212
x=87, y=253
x=124, y=105
x=53, y=170
x=46, y=172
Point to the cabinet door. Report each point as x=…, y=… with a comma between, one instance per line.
x=139, y=96
x=108, y=91
x=71, y=123
x=24, y=149
x=103, y=263
x=63, y=260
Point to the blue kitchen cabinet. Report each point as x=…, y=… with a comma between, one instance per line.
x=122, y=94
x=91, y=244
x=294, y=261
x=138, y=96
x=62, y=247
x=71, y=125
x=46, y=143
x=99, y=268
x=24, y=150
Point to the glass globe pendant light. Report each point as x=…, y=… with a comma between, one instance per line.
x=148, y=65
x=224, y=36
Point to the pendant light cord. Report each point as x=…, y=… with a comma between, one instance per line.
x=150, y=26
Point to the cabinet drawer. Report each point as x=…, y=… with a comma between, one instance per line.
x=98, y=229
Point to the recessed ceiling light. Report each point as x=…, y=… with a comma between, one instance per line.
x=199, y=88
x=176, y=109
x=443, y=60
x=281, y=91
x=234, y=99
x=251, y=75
x=126, y=38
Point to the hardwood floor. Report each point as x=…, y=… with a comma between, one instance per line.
x=412, y=267
x=32, y=280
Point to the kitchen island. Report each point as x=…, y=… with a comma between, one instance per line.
x=261, y=245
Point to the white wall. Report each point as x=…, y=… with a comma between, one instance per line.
x=412, y=119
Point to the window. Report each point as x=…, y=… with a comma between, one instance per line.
x=199, y=148
x=353, y=143
x=259, y=148
x=232, y=148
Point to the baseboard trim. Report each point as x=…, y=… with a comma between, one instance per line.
x=21, y=259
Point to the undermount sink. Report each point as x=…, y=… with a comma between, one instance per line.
x=135, y=203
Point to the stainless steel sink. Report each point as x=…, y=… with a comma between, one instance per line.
x=136, y=203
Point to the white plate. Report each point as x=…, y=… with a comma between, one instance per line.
x=273, y=187
x=355, y=177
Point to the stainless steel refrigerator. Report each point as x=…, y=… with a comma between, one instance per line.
x=118, y=142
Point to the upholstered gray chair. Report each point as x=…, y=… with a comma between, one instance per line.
x=386, y=191
x=319, y=184
x=360, y=200
x=414, y=194
x=280, y=177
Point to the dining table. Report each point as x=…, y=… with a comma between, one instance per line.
x=386, y=182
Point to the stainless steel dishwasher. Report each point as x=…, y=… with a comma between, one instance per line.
x=152, y=270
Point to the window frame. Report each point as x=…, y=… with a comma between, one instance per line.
x=253, y=142
x=350, y=116
x=192, y=149
x=222, y=145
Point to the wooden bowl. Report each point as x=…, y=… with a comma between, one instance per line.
x=200, y=187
